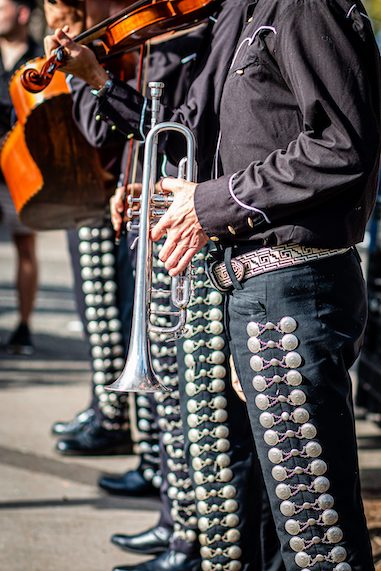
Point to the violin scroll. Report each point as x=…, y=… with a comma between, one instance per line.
x=34, y=80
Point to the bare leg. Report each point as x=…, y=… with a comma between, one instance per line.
x=27, y=274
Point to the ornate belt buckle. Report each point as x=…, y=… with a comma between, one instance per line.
x=214, y=279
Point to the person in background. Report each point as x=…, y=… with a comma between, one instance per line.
x=17, y=47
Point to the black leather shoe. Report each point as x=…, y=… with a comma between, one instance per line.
x=131, y=483
x=95, y=440
x=75, y=425
x=150, y=542
x=168, y=561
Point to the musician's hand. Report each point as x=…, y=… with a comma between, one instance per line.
x=235, y=380
x=185, y=237
x=79, y=60
x=117, y=207
x=117, y=203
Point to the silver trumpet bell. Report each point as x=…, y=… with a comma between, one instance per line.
x=138, y=373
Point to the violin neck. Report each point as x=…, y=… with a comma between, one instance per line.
x=96, y=31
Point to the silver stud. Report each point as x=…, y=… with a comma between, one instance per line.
x=301, y=415
x=279, y=473
x=326, y=501
x=216, y=327
x=203, y=524
x=252, y=329
x=266, y=419
x=217, y=343
x=232, y=520
x=283, y=491
x=330, y=517
x=233, y=535
x=292, y=526
x=216, y=314
x=321, y=484
x=259, y=383
x=256, y=363
x=223, y=460
x=217, y=357
x=218, y=371
x=308, y=430
x=262, y=402
x=338, y=554
x=191, y=389
x=334, y=535
x=287, y=324
x=222, y=432
x=275, y=455
x=287, y=508
x=289, y=342
x=293, y=360
x=217, y=386
x=229, y=492
x=215, y=298
x=222, y=445
x=313, y=449
x=297, y=397
x=294, y=378
x=230, y=506
x=318, y=467
x=188, y=346
x=271, y=437
x=343, y=567
x=297, y=543
x=254, y=344
x=226, y=475
x=220, y=402
x=302, y=559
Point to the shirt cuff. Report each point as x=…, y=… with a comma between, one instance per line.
x=220, y=216
x=124, y=107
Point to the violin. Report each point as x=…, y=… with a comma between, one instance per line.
x=139, y=22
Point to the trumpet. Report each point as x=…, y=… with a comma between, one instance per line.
x=138, y=373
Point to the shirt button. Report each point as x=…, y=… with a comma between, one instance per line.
x=215, y=238
x=250, y=222
x=232, y=230
x=240, y=71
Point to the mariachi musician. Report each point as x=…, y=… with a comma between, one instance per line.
x=182, y=552
x=296, y=176
x=217, y=461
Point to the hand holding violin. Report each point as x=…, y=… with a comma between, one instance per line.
x=79, y=60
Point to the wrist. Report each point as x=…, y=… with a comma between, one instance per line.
x=98, y=78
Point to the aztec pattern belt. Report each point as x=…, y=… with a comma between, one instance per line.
x=266, y=260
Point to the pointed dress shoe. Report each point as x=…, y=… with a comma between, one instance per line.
x=75, y=425
x=132, y=483
x=150, y=542
x=168, y=561
x=94, y=440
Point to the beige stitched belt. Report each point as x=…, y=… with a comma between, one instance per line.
x=267, y=260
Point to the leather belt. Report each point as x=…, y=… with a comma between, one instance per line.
x=266, y=260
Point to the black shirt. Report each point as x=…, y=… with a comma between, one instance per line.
x=33, y=50
x=299, y=117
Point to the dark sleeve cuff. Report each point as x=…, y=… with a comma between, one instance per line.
x=125, y=108
x=220, y=216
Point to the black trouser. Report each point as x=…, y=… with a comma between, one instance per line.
x=294, y=373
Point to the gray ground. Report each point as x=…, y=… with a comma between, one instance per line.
x=52, y=515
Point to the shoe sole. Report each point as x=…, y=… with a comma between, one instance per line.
x=141, y=551
x=115, y=451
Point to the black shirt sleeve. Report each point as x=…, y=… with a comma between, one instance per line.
x=330, y=66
